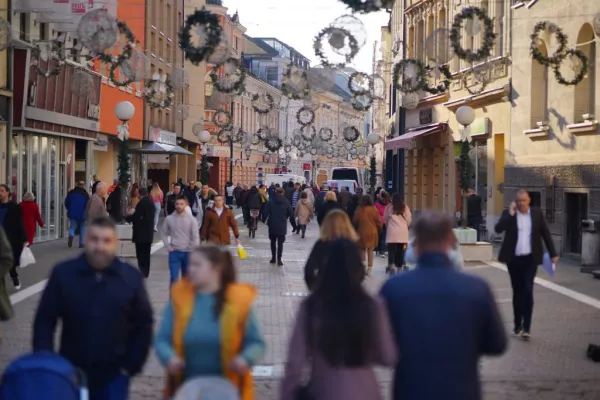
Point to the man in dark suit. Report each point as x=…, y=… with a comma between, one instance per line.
x=522, y=252
x=143, y=231
x=474, y=211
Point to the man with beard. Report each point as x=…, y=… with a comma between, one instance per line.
x=105, y=314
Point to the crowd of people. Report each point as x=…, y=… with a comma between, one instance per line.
x=209, y=327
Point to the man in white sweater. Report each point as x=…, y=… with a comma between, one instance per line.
x=180, y=236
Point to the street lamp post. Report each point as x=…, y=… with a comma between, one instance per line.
x=124, y=111
x=465, y=116
x=204, y=138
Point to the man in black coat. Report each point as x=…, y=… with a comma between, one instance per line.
x=143, y=231
x=11, y=220
x=522, y=251
x=474, y=214
x=278, y=211
x=105, y=313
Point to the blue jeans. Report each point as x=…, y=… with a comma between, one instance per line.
x=156, y=214
x=73, y=223
x=117, y=389
x=178, y=260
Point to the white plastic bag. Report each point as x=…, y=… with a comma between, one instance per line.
x=27, y=257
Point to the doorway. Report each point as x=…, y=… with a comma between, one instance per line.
x=576, y=208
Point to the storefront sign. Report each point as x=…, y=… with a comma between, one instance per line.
x=306, y=166
x=160, y=136
x=101, y=143
x=217, y=151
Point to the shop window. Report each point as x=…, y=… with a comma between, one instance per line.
x=539, y=89
x=585, y=91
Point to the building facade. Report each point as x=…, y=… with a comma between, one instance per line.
x=553, y=148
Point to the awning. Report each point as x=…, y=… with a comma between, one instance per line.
x=404, y=141
x=161, y=148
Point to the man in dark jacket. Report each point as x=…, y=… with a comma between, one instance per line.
x=474, y=215
x=252, y=203
x=105, y=314
x=429, y=297
x=237, y=195
x=11, y=219
x=243, y=197
x=289, y=190
x=170, y=199
x=114, y=203
x=76, y=204
x=143, y=231
x=278, y=211
x=272, y=191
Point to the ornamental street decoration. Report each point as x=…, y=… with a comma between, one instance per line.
x=200, y=35
x=472, y=17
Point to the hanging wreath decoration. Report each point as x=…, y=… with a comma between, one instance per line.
x=583, y=70
x=263, y=133
x=354, y=87
x=305, y=116
x=116, y=61
x=362, y=101
x=465, y=82
x=325, y=134
x=57, y=48
x=233, y=67
x=444, y=84
x=367, y=6
x=225, y=135
x=260, y=108
x=351, y=133
x=152, y=89
x=489, y=37
x=330, y=32
x=406, y=85
x=308, y=132
x=288, y=90
x=273, y=144
x=222, y=118
x=561, y=39
x=209, y=26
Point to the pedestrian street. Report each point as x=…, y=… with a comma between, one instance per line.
x=551, y=366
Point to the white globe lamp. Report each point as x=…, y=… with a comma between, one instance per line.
x=465, y=115
x=373, y=139
x=204, y=136
x=124, y=111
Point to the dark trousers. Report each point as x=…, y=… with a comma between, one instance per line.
x=13, y=272
x=381, y=246
x=277, y=246
x=246, y=215
x=522, y=271
x=293, y=221
x=142, y=252
x=475, y=223
x=229, y=200
x=396, y=254
x=301, y=228
x=116, y=389
x=261, y=215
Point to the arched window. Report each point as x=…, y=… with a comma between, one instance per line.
x=420, y=40
x=411, y=42
x=539, y=89
x=584, y=91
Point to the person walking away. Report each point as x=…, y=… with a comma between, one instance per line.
x=264, y=198
x=294, y=202
x=320, y=199
x=439, y=359
x=474, y=215
x=96, y=182
x=170, y=200
x=217, y=222
x=381, y=203
x=522, y=251
x=310, y=195
x=289, y=190
x=252, y=203
x=143, y=231
x=304, y=212
x=237, y=195
x=229, y=188
x=278, y=212
x=113, y=204
x=336, y=225
x=368, y=226
x=243, y=199
x=6, y=263
x=76, y=203
x=345, y=197
x=31, y=216
x=209, y=326
x=355, y=203
x=180, y=236
x=398, y=218
x=157, y=198
x=329, y=204
x=272, y=191
x=134, y=197
x=341, y=332
x=96, y=207
x=105, y=314
x=11, y=220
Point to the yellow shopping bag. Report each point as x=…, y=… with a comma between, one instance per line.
x=241, y=252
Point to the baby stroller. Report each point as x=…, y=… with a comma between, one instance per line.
x=203, y=388
x=41, y=376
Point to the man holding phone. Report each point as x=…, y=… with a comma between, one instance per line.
x=522, y=251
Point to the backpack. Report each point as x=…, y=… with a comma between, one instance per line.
x=34, y=376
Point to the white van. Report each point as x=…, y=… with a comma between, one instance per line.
x=280, y=178
x=347, y=174
x=340, y=184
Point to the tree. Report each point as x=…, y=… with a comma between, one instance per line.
x=373, y=174
x=204, y=170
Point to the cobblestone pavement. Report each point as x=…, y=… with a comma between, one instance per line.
x=552, y=366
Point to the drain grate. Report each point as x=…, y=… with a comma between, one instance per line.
x=262, y=371
x=295, y=294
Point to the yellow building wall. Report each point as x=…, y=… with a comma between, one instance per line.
x=106, y=163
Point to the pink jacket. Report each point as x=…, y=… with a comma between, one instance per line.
x=397, y=225
x=381, y=208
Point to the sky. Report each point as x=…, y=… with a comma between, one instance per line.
x=297, y=22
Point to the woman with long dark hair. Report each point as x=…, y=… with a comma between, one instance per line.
x=209, y=327
x=397, y=219
x=343, y=330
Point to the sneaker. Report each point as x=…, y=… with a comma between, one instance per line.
x=526, y=335
x=272, y=261
x=516, y=333
x=16, y=283
x=280, y=263
x=382, y=255
x=70, y=243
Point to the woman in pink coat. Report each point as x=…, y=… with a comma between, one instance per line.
x=382, y=203
x=397, y=218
